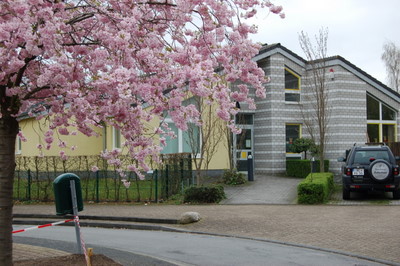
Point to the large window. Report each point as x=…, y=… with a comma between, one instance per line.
x=293, y=132
x=292, y=86
x=381, y=121
x=185, y=141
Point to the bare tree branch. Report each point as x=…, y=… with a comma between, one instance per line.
x=391, y=58
x=316, y=118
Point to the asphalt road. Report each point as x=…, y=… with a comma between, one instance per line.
x=126, y=246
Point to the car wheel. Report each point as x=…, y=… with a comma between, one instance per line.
x=346, y=194
x=396, y=194
x=380, y=170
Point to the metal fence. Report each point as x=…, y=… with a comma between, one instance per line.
x=175, y=174
x=34, y=178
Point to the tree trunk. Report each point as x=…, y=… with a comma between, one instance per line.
x=322, y=160
x=8, y=135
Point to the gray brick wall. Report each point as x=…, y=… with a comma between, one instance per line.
x=347, y=106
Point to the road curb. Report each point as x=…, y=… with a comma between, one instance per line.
x=151, y=227
x=101, y=218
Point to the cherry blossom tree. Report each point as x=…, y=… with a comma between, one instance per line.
x=88, y=63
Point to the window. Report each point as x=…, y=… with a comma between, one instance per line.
x=18, y=146
x=372, y=108
x=244, y=119
x=292, y=86
x=191, y=139
x=116, y=138
x=381, y=121
x=363, y=157
x=185, y=141
x=293, y=132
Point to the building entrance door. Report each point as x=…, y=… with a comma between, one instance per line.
x=244, y=147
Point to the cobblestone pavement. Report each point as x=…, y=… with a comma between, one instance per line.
x=363, y=226
x=264, y=190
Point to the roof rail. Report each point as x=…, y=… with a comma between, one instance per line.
x=375, y=143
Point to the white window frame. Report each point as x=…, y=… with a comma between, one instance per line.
x=116, y=141
x=180, y=138
x=18, y=146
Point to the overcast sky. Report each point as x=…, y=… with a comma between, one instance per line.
x=357, y=28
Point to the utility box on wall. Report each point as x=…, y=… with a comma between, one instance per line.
x=62, y=193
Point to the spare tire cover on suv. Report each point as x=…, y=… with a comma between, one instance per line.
x=380, y=170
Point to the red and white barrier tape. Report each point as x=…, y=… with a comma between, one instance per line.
x=76, y=220
x=41, y=226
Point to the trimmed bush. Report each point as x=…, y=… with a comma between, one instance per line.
x=301, y=168
x=204, y=194
x=316, y=188
x=233, y=177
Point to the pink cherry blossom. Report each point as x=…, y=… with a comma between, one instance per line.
x=85, y=64
x=21, y=136
x=126, y=183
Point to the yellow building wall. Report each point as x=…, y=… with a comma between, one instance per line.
x=34, y=130
x=220, y=159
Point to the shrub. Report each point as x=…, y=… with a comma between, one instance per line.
x=233, y=177
x=316, y=188
x=204, y=194
x=301, y=168
x=303, y=145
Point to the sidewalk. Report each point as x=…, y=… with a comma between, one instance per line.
x=252, y=211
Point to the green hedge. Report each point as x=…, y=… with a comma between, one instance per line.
x=204, y=194
x=301, y=168
x=316, y=188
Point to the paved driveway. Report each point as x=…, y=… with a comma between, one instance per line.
x=264, y=190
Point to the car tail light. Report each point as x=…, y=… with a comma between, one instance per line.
x=389, y=186
x=395, y=171
x=347, y=171
x=355, y=186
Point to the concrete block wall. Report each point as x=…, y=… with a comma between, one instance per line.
x=348, y=116
x=347, y=109
x=347, y=112
x=271, y=117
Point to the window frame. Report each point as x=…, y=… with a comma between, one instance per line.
x=18, y=146
x=116, y=138
x=380, y=122
x=180, y=138
x=300, y=126
x=290, y=90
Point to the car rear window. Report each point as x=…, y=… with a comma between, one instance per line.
x=363, y=157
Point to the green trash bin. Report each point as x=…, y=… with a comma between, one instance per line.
x=62, y=193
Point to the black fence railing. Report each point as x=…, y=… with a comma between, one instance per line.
x=34, y=178
x=175, y=173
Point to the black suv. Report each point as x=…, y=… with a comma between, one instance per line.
x=370, y=168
